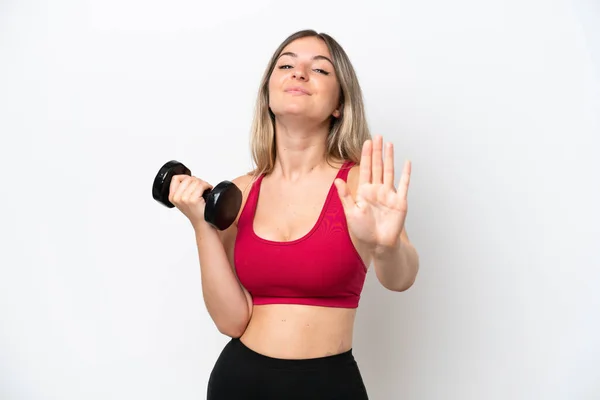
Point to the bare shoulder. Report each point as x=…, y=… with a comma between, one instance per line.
x=243, y=181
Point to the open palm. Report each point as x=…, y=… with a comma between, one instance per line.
x=377, y=214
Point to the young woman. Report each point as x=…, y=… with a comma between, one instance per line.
x=284, y=281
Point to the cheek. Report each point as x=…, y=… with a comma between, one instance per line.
x=275, y=80
x=333, y=90
x=276, y=76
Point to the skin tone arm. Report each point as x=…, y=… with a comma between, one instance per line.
x=227, y=302
x=397, y=267
x=377, y=213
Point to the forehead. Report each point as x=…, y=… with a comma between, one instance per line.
x=308, y=47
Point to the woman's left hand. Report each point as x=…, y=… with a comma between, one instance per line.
x=376, y=216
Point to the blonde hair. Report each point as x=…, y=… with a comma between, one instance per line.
x=348, y=132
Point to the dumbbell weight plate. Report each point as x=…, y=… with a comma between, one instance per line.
x=162, y=181
x=223, y=203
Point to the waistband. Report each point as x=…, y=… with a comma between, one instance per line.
x=260, y=360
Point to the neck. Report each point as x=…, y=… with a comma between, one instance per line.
x=301, y=148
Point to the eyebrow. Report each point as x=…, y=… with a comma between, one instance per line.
x=318, y=57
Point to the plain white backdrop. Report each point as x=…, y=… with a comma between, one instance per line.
x=496, y=103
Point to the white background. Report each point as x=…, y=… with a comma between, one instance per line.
x=495, y=102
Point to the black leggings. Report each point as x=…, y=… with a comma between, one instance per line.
x=240, y=373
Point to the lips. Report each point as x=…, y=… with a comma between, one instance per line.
x=297, y=90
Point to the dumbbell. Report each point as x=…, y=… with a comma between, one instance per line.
x=223, y=202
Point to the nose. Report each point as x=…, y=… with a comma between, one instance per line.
x=299, y=73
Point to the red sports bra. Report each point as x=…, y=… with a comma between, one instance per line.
x=321, y=268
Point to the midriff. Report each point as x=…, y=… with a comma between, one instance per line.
x=292, y=331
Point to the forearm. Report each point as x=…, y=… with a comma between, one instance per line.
x=396, y=268
x=223, y=295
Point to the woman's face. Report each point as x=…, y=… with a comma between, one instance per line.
x=303, y=82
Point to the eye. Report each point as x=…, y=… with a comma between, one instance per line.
x=321, y=71
x=285, y=66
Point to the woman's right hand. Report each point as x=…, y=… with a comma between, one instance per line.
x=185, y=193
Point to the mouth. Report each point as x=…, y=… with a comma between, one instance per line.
x=297, y=91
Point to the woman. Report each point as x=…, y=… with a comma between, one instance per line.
x=284, y=281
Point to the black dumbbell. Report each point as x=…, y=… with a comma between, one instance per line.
x=223, y=202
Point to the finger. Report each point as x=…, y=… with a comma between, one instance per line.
x=377, y=162
x=200, y=189
x=184, y=187
x=176, y=182
x=192, y=197
x=388, y=167
x=364, y=175
x=188, y=192
x=405, y=179
x=344, y=193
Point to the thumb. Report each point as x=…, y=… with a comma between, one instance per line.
x=344, y=193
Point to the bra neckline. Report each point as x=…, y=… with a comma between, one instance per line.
x=332, y=190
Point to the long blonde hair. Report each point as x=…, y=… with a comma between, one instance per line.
x=347, y=133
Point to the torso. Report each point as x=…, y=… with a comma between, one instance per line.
x=299, y=331
x=286, y=212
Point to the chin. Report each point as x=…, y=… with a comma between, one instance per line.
x=291, y=111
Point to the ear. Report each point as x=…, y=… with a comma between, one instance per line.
x=336, y=113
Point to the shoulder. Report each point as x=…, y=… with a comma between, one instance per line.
x=244, y=182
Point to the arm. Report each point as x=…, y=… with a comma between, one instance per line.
x=376, y=213
x=227, y=301
x=396, y=267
